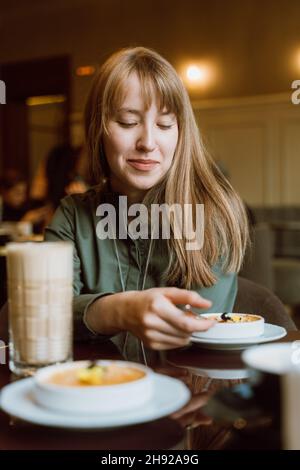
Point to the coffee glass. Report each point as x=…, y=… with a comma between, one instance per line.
x=40, y=279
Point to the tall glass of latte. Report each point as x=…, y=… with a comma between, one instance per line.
x=40, y=279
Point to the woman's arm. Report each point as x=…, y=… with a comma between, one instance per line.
x=62, y=228
x=151, y=315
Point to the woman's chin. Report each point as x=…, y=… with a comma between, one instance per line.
x=144, y=183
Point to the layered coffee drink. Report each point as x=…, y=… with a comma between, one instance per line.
x=40, y=279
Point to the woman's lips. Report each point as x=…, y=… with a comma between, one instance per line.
x=143, y=165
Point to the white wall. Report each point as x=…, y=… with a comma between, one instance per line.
x=258, y=140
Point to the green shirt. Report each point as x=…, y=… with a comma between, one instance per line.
x=96, y=269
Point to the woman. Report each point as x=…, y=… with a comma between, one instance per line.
x=143, y=143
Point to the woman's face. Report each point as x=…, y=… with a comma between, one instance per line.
x=140, y=144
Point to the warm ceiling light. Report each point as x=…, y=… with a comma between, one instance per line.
x=193, y=73
x=45, y=99
x=85, y=70
x=197, y=74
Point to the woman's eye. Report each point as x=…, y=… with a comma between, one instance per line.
x=132, y=124
x=126, y=124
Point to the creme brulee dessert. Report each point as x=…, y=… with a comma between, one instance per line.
x=95, y=375
x=232, y=326
x=89, y=387
x=235, y=318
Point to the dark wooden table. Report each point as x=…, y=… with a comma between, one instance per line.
x=202, y=370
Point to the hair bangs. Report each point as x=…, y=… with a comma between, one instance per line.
x=155, y=88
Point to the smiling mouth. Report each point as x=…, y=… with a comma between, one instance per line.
x=143, y=165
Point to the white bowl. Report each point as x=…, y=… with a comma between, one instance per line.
x=92, y=398
x=232, y=330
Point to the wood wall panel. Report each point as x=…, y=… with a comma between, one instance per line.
x=258, y=142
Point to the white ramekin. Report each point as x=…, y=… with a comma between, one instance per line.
x=232, y=330
x=92, y=399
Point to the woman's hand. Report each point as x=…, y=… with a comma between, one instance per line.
x=151, y=315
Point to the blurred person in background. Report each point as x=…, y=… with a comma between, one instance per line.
x=16, y=206
x=59, y=176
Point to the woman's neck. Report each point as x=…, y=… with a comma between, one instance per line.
x=133, y=196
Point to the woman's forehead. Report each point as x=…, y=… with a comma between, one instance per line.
x=139, y=95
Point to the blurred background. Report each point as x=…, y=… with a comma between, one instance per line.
x=238, y=59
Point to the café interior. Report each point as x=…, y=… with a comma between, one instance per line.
x=240, y=64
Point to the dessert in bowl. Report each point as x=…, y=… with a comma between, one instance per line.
x=232, y=325
x=93, y=387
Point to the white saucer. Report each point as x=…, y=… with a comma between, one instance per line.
x=271, y=333
x=169, y=395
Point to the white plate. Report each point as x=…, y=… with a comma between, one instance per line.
x=169, y=395
x=271, y=333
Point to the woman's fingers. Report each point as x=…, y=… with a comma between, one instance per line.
x=184, y=296
x=154, y=322
x=159, y=323
x=175, y=317
x=157, y=340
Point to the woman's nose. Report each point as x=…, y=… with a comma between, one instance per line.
x=146, y=140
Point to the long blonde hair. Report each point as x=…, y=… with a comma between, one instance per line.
x=193, y=177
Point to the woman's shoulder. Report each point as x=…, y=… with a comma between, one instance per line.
x=83, y=201
x=77, y=209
